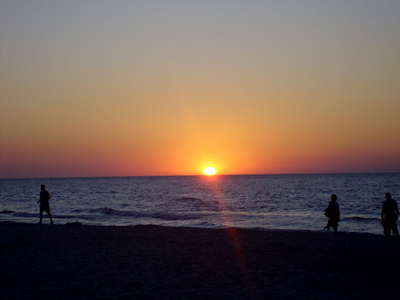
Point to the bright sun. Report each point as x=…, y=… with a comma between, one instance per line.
x=209, y=171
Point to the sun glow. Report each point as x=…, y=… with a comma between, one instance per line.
x=209, y=171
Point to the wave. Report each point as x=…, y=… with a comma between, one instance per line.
x=191, y=199
x=36, y=215
x=105, y=210
x=359, y=219
x=153, y=215
x=6, y=211
x=26, y=215
x=189, y=203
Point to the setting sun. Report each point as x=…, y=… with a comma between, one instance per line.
x=209, y=171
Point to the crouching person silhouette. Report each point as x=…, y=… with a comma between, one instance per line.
x=44, y=203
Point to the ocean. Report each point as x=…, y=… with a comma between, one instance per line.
x=290, y=202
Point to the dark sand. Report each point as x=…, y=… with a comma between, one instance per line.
x=151, y=262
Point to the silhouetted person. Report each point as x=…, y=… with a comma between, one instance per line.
x=44, y=203
x=389, y=215
x=333, y=214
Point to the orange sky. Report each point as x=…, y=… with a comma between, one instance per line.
x=166, y=88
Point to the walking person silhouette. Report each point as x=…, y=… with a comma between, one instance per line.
x=44, y=203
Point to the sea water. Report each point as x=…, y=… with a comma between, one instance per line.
x=293, y=202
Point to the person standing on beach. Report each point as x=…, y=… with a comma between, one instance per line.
x=389, y=215
x=333, y=214
x=44, y=203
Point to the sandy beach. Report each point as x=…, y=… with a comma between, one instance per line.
x=150, y=262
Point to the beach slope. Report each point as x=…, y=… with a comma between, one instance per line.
x=151, y=262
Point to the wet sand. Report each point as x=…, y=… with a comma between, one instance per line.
x=150, y=262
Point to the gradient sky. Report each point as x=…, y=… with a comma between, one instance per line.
x=126, y=88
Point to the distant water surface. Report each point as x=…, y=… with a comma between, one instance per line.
x=294, y=202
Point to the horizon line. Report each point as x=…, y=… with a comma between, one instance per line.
x=203, y=175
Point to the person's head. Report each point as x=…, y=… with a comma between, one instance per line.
x=388, y=196
x=42, y=187
x=333, y=197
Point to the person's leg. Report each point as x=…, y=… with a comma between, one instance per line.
x=41, y=215
x=51, y=219
x=394, y=228
x=386, y=228
x=335, y=225
x=328, y=226
x=49, y=215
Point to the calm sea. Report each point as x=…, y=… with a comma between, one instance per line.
x=294, y=202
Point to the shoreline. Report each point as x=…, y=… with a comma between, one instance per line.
x=75, y=261
x=46, y=222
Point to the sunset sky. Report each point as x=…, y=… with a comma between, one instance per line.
x=131, y=88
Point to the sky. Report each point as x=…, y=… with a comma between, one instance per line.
x=153, y=88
